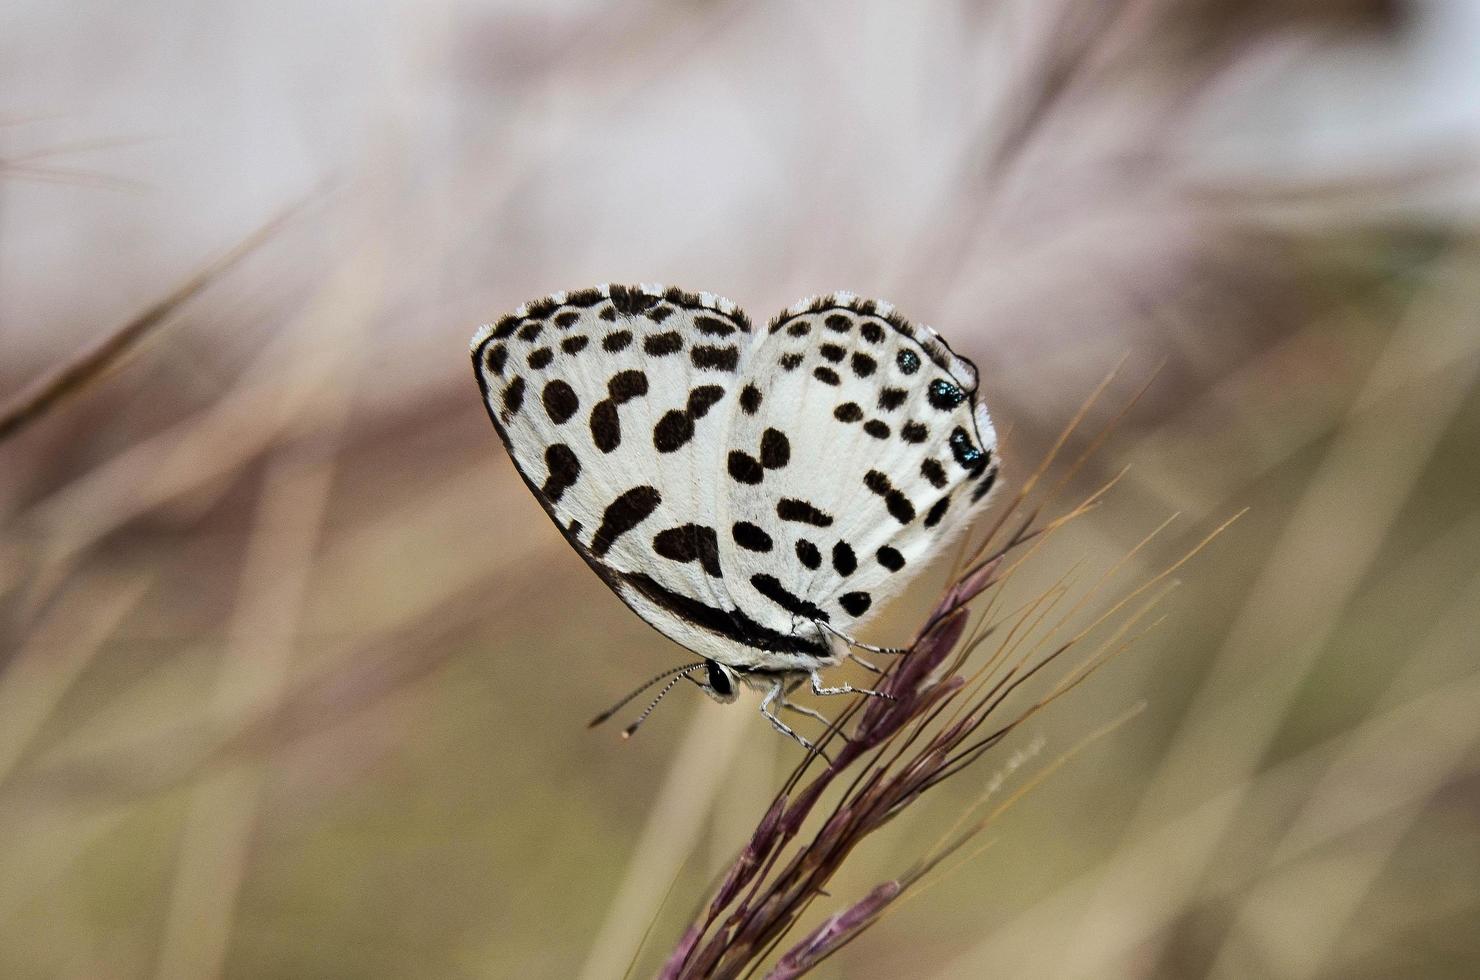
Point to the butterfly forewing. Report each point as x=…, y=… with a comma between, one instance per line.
x=858, y=450
x=613, y=403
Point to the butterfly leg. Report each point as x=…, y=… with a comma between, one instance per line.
x=803, y=710
x=844, y=688
x=863, y=663
x=791, y=686
x=824, y=628
x=778, y=697
x=873, y=649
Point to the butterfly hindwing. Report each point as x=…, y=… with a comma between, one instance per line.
x=858, y=450
x=612, y=403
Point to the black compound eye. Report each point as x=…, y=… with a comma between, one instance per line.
x=719, y=681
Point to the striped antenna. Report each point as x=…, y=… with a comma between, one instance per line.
x=680, y=675
x=681, y=671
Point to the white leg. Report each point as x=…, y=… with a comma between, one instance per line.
x=846, y=688
x=864, y=663
x=799, y=709
x=873, y=649
x=774, y=695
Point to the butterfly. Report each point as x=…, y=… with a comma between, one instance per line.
x=752, y=494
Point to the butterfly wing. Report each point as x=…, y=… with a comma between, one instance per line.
x=612, y=403
x=858, y=450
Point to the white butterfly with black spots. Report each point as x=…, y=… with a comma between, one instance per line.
x=753, y=496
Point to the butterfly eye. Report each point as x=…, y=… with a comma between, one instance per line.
x=719, y=681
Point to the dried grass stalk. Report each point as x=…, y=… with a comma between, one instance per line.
x=947, y=709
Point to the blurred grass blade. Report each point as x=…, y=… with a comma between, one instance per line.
x=96, y=360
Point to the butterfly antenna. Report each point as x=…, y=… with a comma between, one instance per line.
x=681, y=671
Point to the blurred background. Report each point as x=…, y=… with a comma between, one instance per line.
x=294, y=673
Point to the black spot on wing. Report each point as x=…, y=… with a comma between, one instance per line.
x=848, y=412
x=771, y=587
x=713, y=326
x=832, y=352
x=971, y=458
x=631, y=301
x=689, y=542
x=915, y=432
x=775, y=449
x=574, y=345
x=872, y=332
x=799, y=329
x=495, y=357
x=890, y=558
x=943, y=395
x=863, y=365
x=540, y=357
x=745, y=468
x=790, y=362
x=677, y=427
x=606, y=427
x=564, y=469
x=808, y=554
x=844, y=561
x=825, y=374
x=560, y=401
x=513, y=397
x=750, y=537
x=567, y=319
x=892, y=398
x=663, y=344
x=838, y=323
x=876, y=428
x=750, y=399
x=531, y=331
x=659, y=313
x=908, y=361
x=702, y=398
x=617, y=341
x=506, y=328
x=855, y=603
x=624, y=514
x=673, y=431
x=627, y=385
x=707, y=358
x=931, y=470
x=937, y=511
x=802, y=512
x=775, y=453
x=898, y=504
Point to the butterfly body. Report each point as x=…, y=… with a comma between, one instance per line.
x=751, y=494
